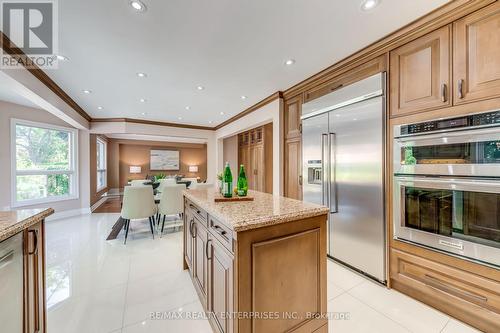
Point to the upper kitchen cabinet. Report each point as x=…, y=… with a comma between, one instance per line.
x=477, y=55
x=420, y=74
x=292, y=117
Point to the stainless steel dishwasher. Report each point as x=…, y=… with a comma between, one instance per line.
x=11, y=284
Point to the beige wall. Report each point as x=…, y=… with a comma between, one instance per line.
x=231, y=154
x=113, y=164
x=9, y=111
x=138, y=153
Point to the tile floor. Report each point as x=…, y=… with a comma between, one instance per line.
x=95, y=286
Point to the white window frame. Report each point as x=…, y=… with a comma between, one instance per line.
x=105, y=144
x=72, y=172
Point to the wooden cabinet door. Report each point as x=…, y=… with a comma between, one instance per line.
x=477, y=55
x=420, y=74
x=221, y=289
x=188, y=239
x=259, y=168
x=292, y=115
x=293, y=159
x=200, y=254
x=34, y=274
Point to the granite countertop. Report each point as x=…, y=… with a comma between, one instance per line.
x=266, y=209
x=14, y=221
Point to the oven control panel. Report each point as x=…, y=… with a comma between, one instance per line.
x=486, y=118
x=482, y=119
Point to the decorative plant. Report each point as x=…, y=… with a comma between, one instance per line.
x=161, y=176
x=220, y=176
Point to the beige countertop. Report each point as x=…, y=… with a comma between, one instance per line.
x=14, y=221
x=265, y=210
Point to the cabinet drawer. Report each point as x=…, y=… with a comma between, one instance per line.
x=469, y=297
x=221, y=232
x=197, y=212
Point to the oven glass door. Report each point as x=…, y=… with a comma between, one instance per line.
x=467, y=153
x=459, y=215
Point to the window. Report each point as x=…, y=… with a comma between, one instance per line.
x=44, y=160
x=101, y=164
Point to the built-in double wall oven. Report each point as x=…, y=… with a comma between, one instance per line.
x=447, y=185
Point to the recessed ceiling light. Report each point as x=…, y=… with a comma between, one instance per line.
x=180, y=118
x=100, y=108
x=200, y=87
x=243, y=97
x=188, y=107
x=221, y=113
x=210, y=121
x=140, y=74
x=61, y=57
x=86, y=91
x=142, y=100
x=138, y=5
x=369, y=4
x=290, y=62
x=144, y=113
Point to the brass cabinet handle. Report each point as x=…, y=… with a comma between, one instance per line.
x=460, y=88
x=35, y=242
x=443, y=92
x=206, y=249
x=438, y=284
x=195, y=229
x=191, y=228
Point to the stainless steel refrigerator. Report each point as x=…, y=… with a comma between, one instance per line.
x=343, y=168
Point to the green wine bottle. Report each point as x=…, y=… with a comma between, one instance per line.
x=227, y=182
x=242, y=182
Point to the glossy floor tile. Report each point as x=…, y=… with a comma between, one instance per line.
x=94, y=285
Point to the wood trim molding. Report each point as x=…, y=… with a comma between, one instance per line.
x=432, y=21
x=251, y=109
x=16, y=53
x=149, y=122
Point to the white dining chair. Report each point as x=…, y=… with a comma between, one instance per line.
x=171, y=202
x=166, y=182
x=138, y=182
x=194, y=182
x=138, y=203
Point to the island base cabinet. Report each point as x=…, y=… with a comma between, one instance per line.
x=282, y=276
x=34, y=281
x=267, y=279
x=200, y=261
x=221, y=288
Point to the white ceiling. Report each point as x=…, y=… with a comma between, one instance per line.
x=231, y=47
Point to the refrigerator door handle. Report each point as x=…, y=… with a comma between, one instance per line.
x=324, y=169
x=332, y=173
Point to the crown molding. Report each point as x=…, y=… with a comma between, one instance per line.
x=251, y=109
x=149, y=122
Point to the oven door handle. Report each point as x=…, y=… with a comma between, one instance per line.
x=452, y=184
x=479, y=134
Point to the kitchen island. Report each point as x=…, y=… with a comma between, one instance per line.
x=22, y=274
x=257, y=266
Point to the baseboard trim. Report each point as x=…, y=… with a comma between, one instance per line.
x=98, y=203
x=68, y=213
